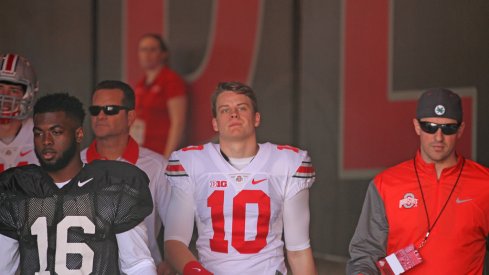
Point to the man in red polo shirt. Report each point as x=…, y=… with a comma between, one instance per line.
x=161, y=99
x=112, y=113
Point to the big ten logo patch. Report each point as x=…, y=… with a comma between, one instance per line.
x=218, y=183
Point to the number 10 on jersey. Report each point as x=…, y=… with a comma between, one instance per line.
x=219, y=242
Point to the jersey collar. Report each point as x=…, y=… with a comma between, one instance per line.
x=131, y=153
x=430, y=167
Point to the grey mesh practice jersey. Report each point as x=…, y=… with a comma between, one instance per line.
x=73, y=228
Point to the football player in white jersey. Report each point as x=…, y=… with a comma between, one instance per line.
x=242, y=194
x=112, y=114
x=18, y=88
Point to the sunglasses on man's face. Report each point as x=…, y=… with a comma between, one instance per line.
x=109, y=110
x=446, y=129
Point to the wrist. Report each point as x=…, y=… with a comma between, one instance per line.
x=195, y=268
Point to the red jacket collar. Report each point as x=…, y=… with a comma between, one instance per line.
x=131, y=154
x=430, y=167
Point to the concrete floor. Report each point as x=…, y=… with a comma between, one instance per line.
x=328, y=266
x=325, y=267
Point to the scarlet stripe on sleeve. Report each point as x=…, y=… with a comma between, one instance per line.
x=306, y=170
x=175, y=169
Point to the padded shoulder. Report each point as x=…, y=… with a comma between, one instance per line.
x=123, y=186
x=115, y=169
x=30, y=180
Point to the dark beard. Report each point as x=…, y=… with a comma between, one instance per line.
x=60, y=163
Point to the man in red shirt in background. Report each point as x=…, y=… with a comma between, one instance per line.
x=161, y=101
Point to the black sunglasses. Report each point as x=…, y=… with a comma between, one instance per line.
x=446, y=129
x=109, y=110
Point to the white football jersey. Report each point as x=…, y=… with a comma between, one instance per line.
x=153, y=164
x=21, y=150
x=239, y=212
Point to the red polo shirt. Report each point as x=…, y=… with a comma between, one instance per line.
x=151, y=106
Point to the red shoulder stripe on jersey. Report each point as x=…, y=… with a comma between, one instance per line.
x=288, y=147
x=193, y=148
x=306, y=170
x=175, y=169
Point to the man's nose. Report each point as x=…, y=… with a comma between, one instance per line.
x=439, y=135
x=47, y=139
x=234, y=113
x=101, y=115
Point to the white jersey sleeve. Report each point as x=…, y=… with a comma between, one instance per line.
x=162, y=193
x=177, y=175
x=180, y=217
x=134, y=255
x=303, y=175
x=296, y=221
x=154, y=164
x=296, y=214
x=9, y=249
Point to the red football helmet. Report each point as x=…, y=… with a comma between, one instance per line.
x=15, y=69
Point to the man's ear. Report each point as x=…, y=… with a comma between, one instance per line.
x=461, y=130
x=417, y=128
x=257, y=119
x=214, y=125
x=131, y=117
x=79, y=134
